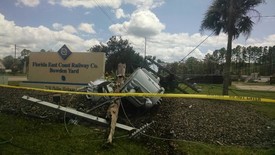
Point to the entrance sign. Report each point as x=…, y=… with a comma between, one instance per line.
x=64, y=68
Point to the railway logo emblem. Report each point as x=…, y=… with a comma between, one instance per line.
x=64, y=52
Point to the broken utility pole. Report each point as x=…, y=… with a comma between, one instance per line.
x=113, y=109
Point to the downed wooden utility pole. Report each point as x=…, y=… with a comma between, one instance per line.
x=113, y=109
x=77, y=113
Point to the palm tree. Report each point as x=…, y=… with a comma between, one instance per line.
x=231, y=17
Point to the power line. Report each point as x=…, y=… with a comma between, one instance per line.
x=104, y=12
x=267, y=16
x=197, y=46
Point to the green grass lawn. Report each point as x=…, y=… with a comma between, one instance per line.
x=216, y=89
x=24, y=135
x=32, y=136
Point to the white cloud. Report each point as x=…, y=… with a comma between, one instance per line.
x=90, y=43
x=29, y=3
x=174, y=47
x=57, y=26
x=119, y=29
x=87, y=3
x=145, y=4
x=36, y=38
x=120, y=14
x=267, y=41
x=209, y=52
x=66, y=28
x=69, y=29
x=143, y=23
x=52, y=2
x=85, y=27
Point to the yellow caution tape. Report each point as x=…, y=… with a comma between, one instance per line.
x=194, y=96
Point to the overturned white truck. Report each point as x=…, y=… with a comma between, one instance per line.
x=141, y=81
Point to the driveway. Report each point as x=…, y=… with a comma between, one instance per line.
x=254, y=87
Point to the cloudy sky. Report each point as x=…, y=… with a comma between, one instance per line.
x=171, y=27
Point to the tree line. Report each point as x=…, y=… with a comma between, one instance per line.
x=244, y=61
